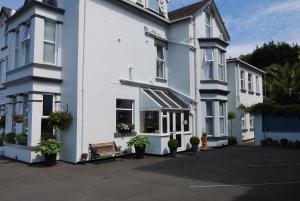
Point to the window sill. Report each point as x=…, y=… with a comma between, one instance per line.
x=158, y=79
x=126, y=134
x=243, y=90
x=221, y=82
x=250, y=92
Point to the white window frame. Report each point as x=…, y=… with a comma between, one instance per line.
x=250, y=82
x=50, y=42
x=161, y=60
x=17, y=49
x=243, y=121
x=257, y=84
x=251, y=122
x=208, y=26
x=126, y=109
x=242, y=80
x=221, y=65
x=210, y=117
x=26, y=43
x=222, y=116
x=210, y=62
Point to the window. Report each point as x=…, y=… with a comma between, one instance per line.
x=124, y=111
x=160, y=62
x=222, y=112
x=186, y=122
x=47, y=105
x=49, y=42
x=14, y=112
x=221, y=69
x=242, y=80
x=164, y=122
x=257, y=84
x=251, y=122
x=208, y=64
x=17, y=41
x=153, y=5
x=150, y=122
x=209, y=118
x=250, y=82
x=6, y=35
x=26, y=43
x=243, y=122
x=208, y=24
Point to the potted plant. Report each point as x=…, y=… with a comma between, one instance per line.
x=10, y=138
x=18, y=118
x=195, y=141
x=173, y=145
x=49, y=148
x=204, y=140
x=125, y=128
x=60, y=120
x=139, y=144
x=22, y=139
x=2, y=121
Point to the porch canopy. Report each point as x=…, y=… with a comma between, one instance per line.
x=162, y=99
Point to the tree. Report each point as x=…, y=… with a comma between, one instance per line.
x=231, y=116
x=273, y=53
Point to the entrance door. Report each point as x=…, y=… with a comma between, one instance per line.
x=176, y=127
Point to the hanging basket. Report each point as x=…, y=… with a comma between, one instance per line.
x=19, y=118
x=60, y=120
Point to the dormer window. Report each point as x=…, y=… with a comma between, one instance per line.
x=208, y=24
x=153, y=5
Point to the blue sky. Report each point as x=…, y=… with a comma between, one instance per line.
x=249, y=22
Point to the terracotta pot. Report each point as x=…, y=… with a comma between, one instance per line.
x=204, y=142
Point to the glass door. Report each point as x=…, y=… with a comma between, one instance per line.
x=176, y=127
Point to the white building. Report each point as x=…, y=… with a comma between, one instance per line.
x=115, y=61
x=246, y=88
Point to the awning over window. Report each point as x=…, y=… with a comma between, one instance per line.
x=162, y=99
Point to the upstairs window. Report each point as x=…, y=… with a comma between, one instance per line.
x=250, y=82
x=26, y=43
x=208, y=64
x=153, y=5
x=221, y=68
x=17, y=43
x=242, y=80
x=160, y=62
x=257, y=84
x=208, y=24
x=49, y=42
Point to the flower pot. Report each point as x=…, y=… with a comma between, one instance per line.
x=140, y=152
x=50, y=159
x=173, y=153
x=195, y=148
x=204, y=142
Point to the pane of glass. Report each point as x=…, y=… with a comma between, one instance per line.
x=209, y=108
x=222, y=125
x=209, y=126
x=153, y=4
x=26, y=33
x=124, y=116
x=209, y=54
x=46, y=130
x=221, y=57
x=50, y=31
x=47, y=104
x=186, y=121
x=160, y=69
x=165, y=125
x=160, y=52
x=124, y=104
x=178, y=138
x=49, y=53
x=208, y=70
x=151, y=122
x=171, y=123
x=178, y=121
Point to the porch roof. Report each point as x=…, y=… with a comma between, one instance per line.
x=165, y=99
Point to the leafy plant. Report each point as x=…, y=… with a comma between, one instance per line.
x=204, y=134
x=22, y=139
x=231, y=116
x=194, y=140
x=138, y=141
x=18, y=118
x=60, y=120
x=173, y=144
x=10, y=138
x=125, y=127
x=232, y=140
x=49, y=147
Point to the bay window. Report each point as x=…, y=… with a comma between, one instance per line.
x=49, y=42
x=208, y=64
x=124, y=111
x=222, y=112
x=150, y=122
x=221, y=67
x=209, y=118
x=160, y=62
x=26, y=43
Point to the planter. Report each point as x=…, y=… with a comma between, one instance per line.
x=204, y=142
x=195, y=148
x=50, y=159
x=19, y=119
x=173, y=153
x=140, y=152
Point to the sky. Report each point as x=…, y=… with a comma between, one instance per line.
x=250, y=23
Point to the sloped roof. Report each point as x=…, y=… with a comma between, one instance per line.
x=187, y=10
x=6, y=11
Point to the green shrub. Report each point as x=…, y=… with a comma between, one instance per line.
x=139, y=141
x=204, y=134
x=49, y=147
x=194, y=140
x=284, y=142
x=173, y=144
x=232, y=140
x=22, y=139
x=10, y=138
x=276, y=143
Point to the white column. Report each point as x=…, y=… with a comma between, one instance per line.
x=35, y=102
x=37, y=38
x=216, y=119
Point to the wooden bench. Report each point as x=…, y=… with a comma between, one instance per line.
x=105, y=150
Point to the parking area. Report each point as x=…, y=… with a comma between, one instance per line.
x=232, y=173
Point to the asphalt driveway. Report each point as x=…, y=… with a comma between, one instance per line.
x=230, y=173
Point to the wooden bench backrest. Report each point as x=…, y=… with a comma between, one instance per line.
x=104, y=147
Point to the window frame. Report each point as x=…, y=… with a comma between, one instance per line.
x=251, y=122
x=161, y=61
x=26, y=43
x=257, y=84
x=222, y=116
x=243, y=122
x=45, y=41
x=209, y=117
x=250, y=82
x=148, y=6
x=210, y=63
x=125, y=109
x=17, y=49
x=242, y=80
x=221, y=65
